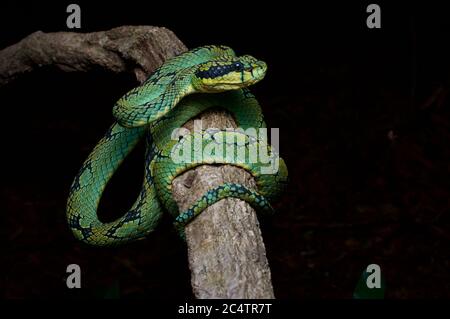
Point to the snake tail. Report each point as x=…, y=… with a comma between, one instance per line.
x=226, y=190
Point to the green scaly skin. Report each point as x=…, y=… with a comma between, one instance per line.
x=176, y=92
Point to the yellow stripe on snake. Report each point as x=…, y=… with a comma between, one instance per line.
x=179, y=90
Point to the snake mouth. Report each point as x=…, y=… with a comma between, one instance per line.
x=259, y=71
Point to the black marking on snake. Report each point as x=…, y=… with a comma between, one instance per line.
x=86, y=166
x=150, y=154
x=220, y=70
x=75, y=224
x=132, y=215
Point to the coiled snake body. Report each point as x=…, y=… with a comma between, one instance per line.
x=176, y=92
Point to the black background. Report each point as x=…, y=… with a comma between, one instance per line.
x=334, y=88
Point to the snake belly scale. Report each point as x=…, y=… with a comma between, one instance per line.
x=179, y=90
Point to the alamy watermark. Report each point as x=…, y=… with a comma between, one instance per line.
x=373, y=21
x=74, y=279
x=374, y=279
x=73, y=21
x=231, y=145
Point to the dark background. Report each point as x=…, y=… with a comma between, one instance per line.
x=364, y=123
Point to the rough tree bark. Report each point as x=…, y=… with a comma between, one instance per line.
x=137, y=49
x=225, y=247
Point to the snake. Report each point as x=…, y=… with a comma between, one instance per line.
x=183, y=87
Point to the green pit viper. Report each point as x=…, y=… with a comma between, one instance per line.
x=179, y=90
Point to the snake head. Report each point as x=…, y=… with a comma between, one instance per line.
x=228, y=74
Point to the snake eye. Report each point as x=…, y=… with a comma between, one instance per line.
x=238, y=66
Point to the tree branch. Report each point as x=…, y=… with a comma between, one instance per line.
x=137, y=49
x=226, y=251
